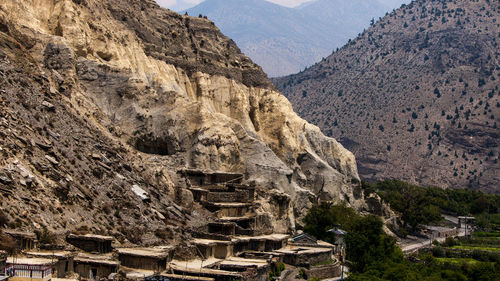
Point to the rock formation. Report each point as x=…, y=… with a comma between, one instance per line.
x=104, y=101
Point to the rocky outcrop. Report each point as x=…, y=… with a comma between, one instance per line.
x=173, y=92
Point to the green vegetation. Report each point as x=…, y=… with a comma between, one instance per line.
x=373, y=255
x=276, y=271
x=321, y=218
x=422, y=205
x=486, y=234
x=366, y=242
x=479, y=248
x=457, y=260
x=330, y=261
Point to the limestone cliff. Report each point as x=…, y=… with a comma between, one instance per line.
x=170, y=92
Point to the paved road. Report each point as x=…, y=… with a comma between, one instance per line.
x=415, y=246
x=450, y=218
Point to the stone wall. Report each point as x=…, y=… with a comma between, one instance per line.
x=306, y=259
x=324, y=271
x=147, y=263
x=91, y=245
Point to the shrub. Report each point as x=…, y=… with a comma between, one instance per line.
x=438, y=252
x=302, y=273
x=449, y=242
x=45, y=236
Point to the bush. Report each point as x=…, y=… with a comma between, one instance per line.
x=438, y=252
x=45, y=236
x=302, y=273
x=449, y=242
x=276, y=272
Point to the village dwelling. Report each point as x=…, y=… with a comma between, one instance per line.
x=29, y=269
x=466, y=222
x=134, y=274
x=95, y=266
x=203, y=178
x=154, y=259
x=63, y=261
x=24, y=240
x=214, y=248
x=178, y=277
x=91, y=243
x=303, y=239
x=442, y=232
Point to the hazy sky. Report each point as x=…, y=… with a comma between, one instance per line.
x=178, y=5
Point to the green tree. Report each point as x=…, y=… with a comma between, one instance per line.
x=366, y=243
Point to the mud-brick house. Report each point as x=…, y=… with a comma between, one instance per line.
x=29, y=269
x=204, y=178
x=154, y=259
x=91, y=243
x=24, y=240
x=95, y=266
x=219, y=249
x=63, y=261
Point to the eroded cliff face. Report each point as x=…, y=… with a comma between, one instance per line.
x=174, y=93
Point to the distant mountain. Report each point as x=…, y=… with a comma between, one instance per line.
x=286, y=40
x=416, y=96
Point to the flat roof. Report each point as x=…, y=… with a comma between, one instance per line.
x=12, y=232
x=229, y=205
x=196, y=263
x=242, y=218
x=209, y=242
x=145, y=252
x=205, y=271
x=440, y=228
x=207, y=172
x=303, y=250
x=243, y=262
x=105, y=259
x=56, y=254
x=91, y=237
x=136, y=273
x=29, y=261
x=274, y=237
x=187, y=277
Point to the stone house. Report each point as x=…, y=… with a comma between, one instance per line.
x=95, y=266
x=91, y=243
x=24, y=240
x=154, y=259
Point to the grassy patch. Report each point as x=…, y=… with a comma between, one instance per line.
x=330, y=261
x=486, y=234
x=480, y=248
x=457, y=260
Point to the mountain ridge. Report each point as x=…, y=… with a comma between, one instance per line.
x=415, y=96
x=294, y=37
